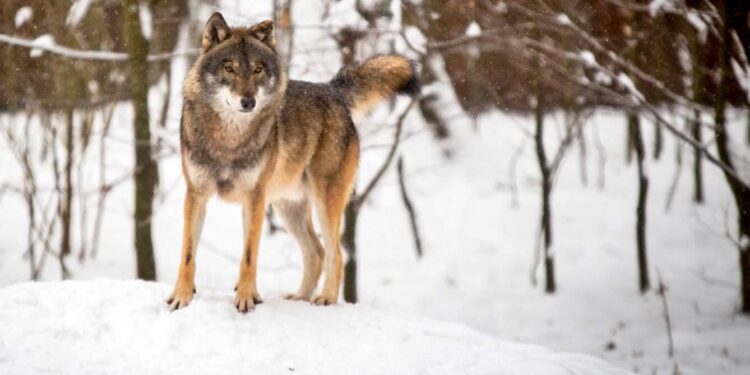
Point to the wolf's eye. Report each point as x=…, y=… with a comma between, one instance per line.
x=229, y=69
x=258, y=69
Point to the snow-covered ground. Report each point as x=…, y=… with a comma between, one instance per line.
x=478, y=252
x=123, y=327
x=475, y=272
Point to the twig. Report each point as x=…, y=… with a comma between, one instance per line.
x=361, y=198
x=675, y=179
x=104, y=188
x=409, y=206
x=661, y=290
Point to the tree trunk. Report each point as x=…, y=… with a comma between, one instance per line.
x=658, y=140
x=698, y=158
x=67, y=193
x=583, y=158
x=549, y=264
x=745, y=262
x=348, y=240
x=145, y=167
x=740, y=191
x=546, y=213
x=282, y=18
x=634, y=125
x=629, y=147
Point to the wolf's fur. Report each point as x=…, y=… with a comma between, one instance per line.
x=296, y=148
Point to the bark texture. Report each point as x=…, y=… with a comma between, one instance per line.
x=145, y=167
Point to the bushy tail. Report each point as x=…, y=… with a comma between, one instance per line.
x=368, y=83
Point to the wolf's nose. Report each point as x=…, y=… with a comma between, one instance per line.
x=247, y=103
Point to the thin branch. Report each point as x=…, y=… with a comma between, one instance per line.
x=409, y=206
x=662, y=292
x=361, y=198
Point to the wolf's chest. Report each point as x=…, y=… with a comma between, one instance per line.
x=230, y=182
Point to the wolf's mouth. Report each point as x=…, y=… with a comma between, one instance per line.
x=241, y=110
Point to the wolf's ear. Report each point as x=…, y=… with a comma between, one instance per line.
x=216, y=31
x=264, y=32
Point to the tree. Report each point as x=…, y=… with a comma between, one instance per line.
x=144, y=176
x=740, y=189
x=634, y=127
x=544, y=169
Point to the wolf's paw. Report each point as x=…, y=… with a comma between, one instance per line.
x=181, y=296
x=245, y=302
x=324, y=299
x=296, y=297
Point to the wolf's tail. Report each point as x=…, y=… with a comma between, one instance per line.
x=368, y=83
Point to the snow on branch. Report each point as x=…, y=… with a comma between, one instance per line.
x=48, y=45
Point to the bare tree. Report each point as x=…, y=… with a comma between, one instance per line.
x=282, y=18
x=740, y=189
x=353, y=208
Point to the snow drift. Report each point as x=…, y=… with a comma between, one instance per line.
x=123, y=327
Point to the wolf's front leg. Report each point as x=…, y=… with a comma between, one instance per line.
x=195, y=212
x=253, y=213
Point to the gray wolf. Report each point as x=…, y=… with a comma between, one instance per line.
x=250, y=136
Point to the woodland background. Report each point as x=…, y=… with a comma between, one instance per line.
x=90, y=102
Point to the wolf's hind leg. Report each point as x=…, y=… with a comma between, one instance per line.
x=332, y=194
x=330, y=209
x=298, y=221
x=194, y=214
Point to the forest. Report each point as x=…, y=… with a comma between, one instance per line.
x=574, y=174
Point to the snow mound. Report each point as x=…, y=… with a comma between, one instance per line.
x=123, y=327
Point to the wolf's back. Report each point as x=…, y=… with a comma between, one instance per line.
x=370, y=82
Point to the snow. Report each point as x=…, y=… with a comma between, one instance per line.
x=46, y=43
x=589, y=58
x=626, y=82
x=123, y=327
x=479, y=219
x=563, y=19
x=144, y=13
x=656, y=6
x=694, y=18
x=474, y=30
x=743, y=78
x=77, y=12
x=23, y=15
x=415, y=38
x=43, y=41
x=602, y=77
x=478, y=251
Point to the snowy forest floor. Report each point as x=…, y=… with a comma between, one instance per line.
x=123, y=327
x=478, y=252
x=479, y=218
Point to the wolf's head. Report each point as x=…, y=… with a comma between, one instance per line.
x=238, y=71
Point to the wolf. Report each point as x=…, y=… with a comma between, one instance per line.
x=251, y=136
